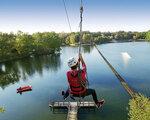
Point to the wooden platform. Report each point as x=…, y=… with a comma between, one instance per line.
x=87, y=104
x=72, y=107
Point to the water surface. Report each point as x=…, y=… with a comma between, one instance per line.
x=47, y=75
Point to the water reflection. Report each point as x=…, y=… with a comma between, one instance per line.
x=126, y=57
x=87, y=48
x=3, y=68
x=21, y=69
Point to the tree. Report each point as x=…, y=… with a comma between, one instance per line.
x=87, y=37
x=71, y=39
x=7, y=42
x=148, y=36
x=47, y=42
x=2, y=109
x=24, y=44
x=63, y=37
x=139, y=108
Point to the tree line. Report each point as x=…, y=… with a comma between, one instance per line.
x=102, y=37
x=21, y=44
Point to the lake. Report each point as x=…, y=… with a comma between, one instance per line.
x=47, y=75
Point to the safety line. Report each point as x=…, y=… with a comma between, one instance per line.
x=67, y=15
x=129, y=90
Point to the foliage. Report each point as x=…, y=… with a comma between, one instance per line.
x=139, y=108
x=87, y=38
x=63, y=36
x=7, y=45
x=13, y=46
x=2, y=109
x=24, y=44
x=47, y=42
x=148, y=36
x=72, y=39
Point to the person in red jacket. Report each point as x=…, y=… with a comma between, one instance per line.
x=77, y=81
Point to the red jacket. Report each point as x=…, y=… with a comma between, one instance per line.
x=74, y=81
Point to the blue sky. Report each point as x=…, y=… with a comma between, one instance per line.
x=49, y=15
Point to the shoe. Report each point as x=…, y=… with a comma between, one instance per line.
x=63, y=93
x=100, y=103
x=65, y=98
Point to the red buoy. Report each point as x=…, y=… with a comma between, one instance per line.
x=24, y=88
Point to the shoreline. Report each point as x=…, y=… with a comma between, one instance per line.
x=28, y=56
x=71, y=45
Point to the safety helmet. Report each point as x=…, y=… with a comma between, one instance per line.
x=72, y=62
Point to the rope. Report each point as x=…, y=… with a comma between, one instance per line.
x=82, y=83
x=85, y=85
x=80, y=43
x=80, y=37
x=122, y=81
x=67, y=15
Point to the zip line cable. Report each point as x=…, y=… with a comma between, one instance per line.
x=122, y=81
x=67, y=15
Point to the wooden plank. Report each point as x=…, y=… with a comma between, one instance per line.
x=72, y=111
x=66, y=104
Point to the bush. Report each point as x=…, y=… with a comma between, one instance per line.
x=2, y=109
x=148, y=36
x=139, y=108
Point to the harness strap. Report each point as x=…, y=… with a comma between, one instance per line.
x=74, y=75
x=73, y=89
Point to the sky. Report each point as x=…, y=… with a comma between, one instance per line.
x=49, y=15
